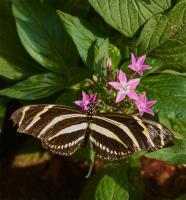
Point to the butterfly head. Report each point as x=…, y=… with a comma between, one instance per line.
x=91, y=110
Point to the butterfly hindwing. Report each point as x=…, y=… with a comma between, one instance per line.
x=65, y=144
x=60, y=128
x=108, y=141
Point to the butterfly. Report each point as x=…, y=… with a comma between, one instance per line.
x=112, y=136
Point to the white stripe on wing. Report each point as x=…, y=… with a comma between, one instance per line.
x=122, y=127
x=58, y=119
x=70, y=129
x=37, y=116
x=145, y=130
x=106, y=132
x=26, y=108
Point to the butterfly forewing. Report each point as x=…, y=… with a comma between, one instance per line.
x=159, y=134
x=60, y=128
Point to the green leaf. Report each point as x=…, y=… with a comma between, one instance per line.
x=68, y=97
x=81, y=154
x=110, y=184
x=80, y=73
x=170, y=71
x=156, y=65
x=113, y=185
x=115, y=55
x=2, y=111
x=81, y=32
x=35, y=87
x=98, y=53
x=127, y=16
x=164, y=37
x=43, y=35
x=15, y=63
x=124, y=44
x=175, y=154
x=170, y=92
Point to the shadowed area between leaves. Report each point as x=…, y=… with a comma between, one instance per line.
x=55, y=179
x=163, y=179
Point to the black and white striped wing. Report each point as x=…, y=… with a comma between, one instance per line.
x=115, y=136
x=112, y=136
x=61, y=129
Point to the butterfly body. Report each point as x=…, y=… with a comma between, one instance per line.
x=112, y=136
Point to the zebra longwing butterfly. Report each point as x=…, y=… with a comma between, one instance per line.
x=112, y=136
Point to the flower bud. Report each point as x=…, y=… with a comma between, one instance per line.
x=108, y=63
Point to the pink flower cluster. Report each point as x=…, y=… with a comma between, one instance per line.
x=128, y=88
x=124, y=87
x=87, y=101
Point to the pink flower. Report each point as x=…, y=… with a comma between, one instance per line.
x=87, y=101
x=143, y=105
x=124, y=87
x=137, y=66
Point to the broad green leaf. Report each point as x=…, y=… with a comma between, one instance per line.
x=156, y=65
x=113, y=185
x=170, y=92
x=127, y=16
x=78, y=8
x=170, y=71
x=175, y=154
x=2, y=111
x=43, y=35
x=15, y=63
x=98, y=53
x=35, y=87
x=164, y=37
x=81, y=32
x=15, y=68
x=110, y=184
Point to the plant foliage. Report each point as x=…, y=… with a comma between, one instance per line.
x=49, y=51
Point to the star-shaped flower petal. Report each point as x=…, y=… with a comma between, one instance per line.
x=124, y=87
x=87, y=101
x=137, y=66
x=143, y=105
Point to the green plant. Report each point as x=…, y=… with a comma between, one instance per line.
x=51, y=50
